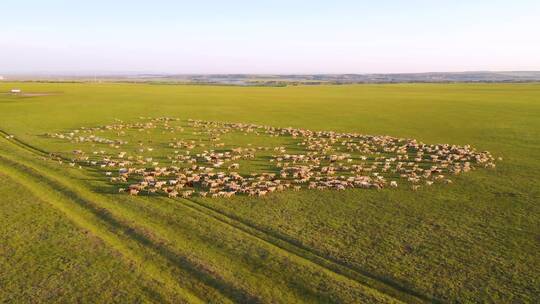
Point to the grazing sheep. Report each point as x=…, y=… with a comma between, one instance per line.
x=323, y=159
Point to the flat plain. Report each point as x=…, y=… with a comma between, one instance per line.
x=68, y=235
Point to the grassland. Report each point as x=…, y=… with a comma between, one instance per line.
x=476, y=240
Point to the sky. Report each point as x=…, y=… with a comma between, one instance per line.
x=268, y=37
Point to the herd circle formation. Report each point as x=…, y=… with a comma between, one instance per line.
x=197, y=162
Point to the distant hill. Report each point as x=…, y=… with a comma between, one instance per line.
x=290, y=79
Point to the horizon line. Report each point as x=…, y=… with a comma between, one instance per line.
x=157, y=73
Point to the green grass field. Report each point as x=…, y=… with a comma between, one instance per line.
x=68, y=236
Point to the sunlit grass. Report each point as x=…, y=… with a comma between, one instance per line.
x=473, y=241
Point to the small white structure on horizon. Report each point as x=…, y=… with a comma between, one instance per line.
x=15, y=91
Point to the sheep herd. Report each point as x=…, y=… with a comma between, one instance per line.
x=181, y=158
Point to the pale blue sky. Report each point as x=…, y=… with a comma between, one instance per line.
x=268, y=36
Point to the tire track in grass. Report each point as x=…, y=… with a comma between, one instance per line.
x=80, y=219
x=123, y=238
x=150, y=294
x=21, y=144
x=363, y=277
x=277, y=256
